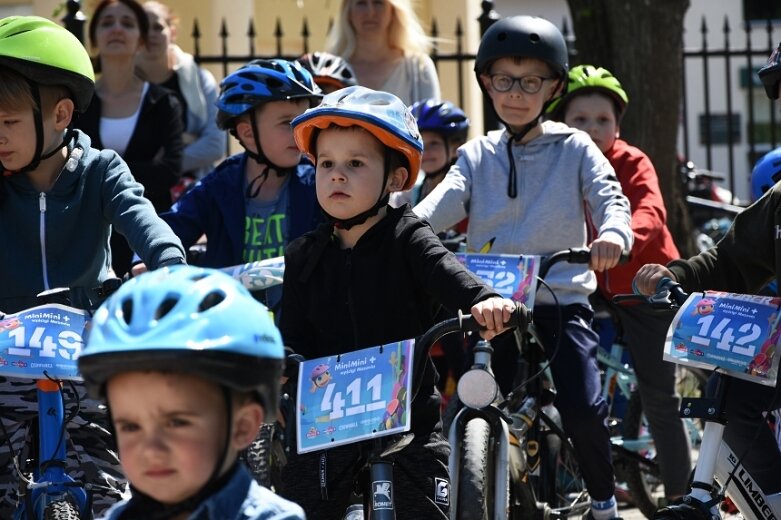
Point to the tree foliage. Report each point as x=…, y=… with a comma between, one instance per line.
x=641, y=42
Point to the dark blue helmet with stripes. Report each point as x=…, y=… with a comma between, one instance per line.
x=260, y=81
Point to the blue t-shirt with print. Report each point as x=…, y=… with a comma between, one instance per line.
x=265, y=227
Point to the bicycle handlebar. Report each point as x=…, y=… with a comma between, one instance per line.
x=574, y=255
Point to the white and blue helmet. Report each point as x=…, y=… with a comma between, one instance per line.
x=191, y=320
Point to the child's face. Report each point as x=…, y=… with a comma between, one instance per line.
x=516, y=107
x=595, y=115
x=170, y=430
x=276, y=134
x=117, y=32
x=435, y=152
x=18, y=136
x=350, y=163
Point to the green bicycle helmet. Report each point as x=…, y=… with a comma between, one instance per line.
x=585, y=79
x=47, y=54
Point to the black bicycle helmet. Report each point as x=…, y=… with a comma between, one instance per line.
x=328, y=69
x=770, y=74
x=523, y=36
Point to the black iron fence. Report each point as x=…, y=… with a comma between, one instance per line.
x=733, y=126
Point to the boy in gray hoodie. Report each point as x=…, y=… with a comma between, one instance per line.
x=529, y=187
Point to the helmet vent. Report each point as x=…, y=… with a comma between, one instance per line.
x=211, y=300
x=534, y=38
x=501, y=36
x=127, y=310
x=165, y=307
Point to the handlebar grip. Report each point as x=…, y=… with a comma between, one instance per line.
x=520, y=319
x=676, y=291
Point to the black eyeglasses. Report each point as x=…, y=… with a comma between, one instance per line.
x=530, y=84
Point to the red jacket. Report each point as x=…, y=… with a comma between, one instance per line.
x=653, y=242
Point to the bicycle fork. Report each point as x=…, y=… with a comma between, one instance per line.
x=51, y=482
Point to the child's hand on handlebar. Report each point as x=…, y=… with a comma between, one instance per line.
x=648, y=276
x=606, y=251
x=492, y=314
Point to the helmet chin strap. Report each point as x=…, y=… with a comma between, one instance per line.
x=512, y=181
x=262, y=159
x=360, y=218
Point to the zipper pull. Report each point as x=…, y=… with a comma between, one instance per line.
x=42, y=202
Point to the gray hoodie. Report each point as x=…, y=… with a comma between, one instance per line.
x=561, y=174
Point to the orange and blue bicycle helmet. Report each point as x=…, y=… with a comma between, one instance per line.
x=586, y=79
x=381, y=114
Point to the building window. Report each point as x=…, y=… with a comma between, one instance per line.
x=717, y=128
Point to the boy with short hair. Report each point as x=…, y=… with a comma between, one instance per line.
x=744, y=261
x=60, y=199
x=595, y=102
x=254, y=203
x=527, y=188
x=371, y=276
x=189, y=366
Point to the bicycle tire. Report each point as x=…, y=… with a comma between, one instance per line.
x=262, y=457
x=645, y=483
x=62, y=509
x=476, y=478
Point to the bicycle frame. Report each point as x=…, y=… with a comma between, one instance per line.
x=50, y=481
x=718, y=461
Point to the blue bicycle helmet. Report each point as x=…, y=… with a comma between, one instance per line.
x=766, y=172
x=443, y=117
x=260, y=81
x=770, y=74
x=380, y=113
x=186, y=319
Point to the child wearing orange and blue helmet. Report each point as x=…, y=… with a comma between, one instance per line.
x=372, y=275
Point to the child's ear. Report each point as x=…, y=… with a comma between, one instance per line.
x=246, y=423
x=397, y=178
x=63, y=114
x=485, y=79
x=245, y=134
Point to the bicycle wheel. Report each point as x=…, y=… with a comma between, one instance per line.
x=62, y=509
x=569, y=496
x=644, y=479
x=476, y=478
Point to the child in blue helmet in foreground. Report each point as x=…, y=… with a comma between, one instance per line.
x=371, y=276
x=189, y=364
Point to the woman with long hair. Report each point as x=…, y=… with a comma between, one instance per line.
x=387, y=48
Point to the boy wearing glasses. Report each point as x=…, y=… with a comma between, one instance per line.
x=528, y=188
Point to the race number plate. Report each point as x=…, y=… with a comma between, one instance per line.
x=47, y=338
x=512, y=276
x=734, y=332
x=354, y=396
